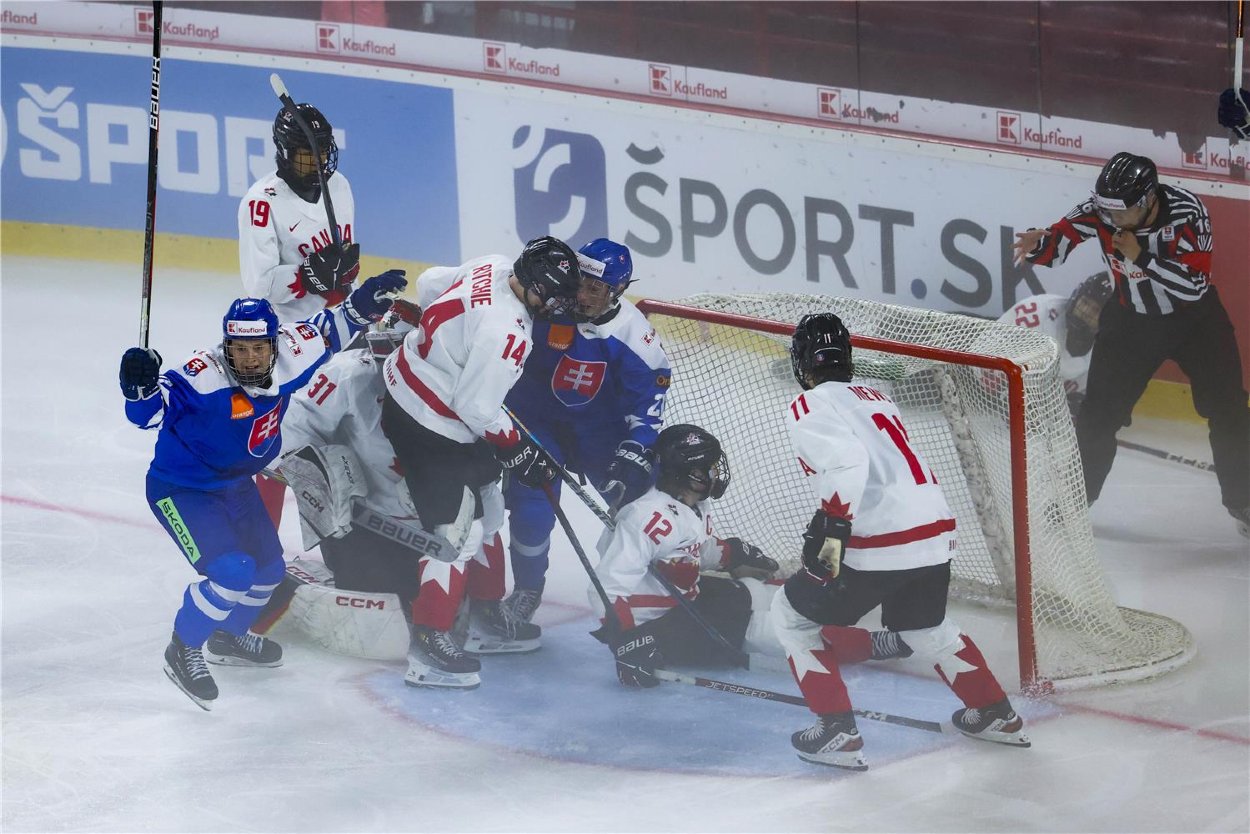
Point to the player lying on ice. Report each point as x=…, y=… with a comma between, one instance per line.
x=219, y=414
x=671, y=527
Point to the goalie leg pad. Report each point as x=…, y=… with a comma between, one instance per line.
x=324, y=481
x=356, y=623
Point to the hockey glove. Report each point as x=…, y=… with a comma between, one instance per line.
x=373, y=298
x=823, y=543
x=746, y=560
x=637, y=654
x=525, y=462
x=1232, y=113
x=329, y=269
x=629, y=473
x=140, y=371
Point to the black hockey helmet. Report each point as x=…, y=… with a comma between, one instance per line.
x=820, y=350
x=289, y=138
x=1126, y=182
x=1081, y=314
x=548, y=267
x=690, y=458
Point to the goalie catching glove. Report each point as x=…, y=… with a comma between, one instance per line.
x=324, y=481
x=823, y=545
x=329, y=269
x=742, y=559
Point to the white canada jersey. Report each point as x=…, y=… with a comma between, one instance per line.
x=453, y=371
x=1047, y=314
x=851, y=443
x=343, y=404
x=278, y=230
x=655, y=528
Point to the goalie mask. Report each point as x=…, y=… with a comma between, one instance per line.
x=1082, y=312
x=1126, y=191
x=689, y=458
x=250, y=341
x=548, y=269
x=821, y=350
x=296, y=162
x=607, y=269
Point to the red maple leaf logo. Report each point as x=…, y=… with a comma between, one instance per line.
x=503, y=439
x=296, y=289
x=834, y=508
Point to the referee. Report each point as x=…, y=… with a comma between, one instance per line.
x=1157, y=241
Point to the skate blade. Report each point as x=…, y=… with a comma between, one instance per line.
x=231, y=660
x=1009, y=739
x=478, y=644
x=856, y=763
x=203, y=704
x=432, y=679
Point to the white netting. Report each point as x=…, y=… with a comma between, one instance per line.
x=737, y=383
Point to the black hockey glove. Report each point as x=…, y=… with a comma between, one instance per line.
x=373, y=298
x=1232, y=113
x=823, y=543
x=746, y=560
x=629, y=473
x=140, y=372
x=525, y=462
x=330, y=269
x=637, y=654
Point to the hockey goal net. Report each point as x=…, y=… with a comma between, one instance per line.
x=984, y=404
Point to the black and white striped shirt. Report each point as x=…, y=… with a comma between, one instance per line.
x=1174, y=267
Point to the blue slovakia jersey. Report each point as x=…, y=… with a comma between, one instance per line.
x=212, y=430
x=596, y=377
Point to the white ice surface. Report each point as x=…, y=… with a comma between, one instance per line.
x=96, y=739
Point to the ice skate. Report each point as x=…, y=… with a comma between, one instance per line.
x=522, y=603
x=833, y=740
x=248, y=649
x=494, y=630
x=1242, y=517
x=434, y=660
x=185, y=666
x=997, y=722
x=887, y=645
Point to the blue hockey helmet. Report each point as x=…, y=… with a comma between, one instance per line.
x=607, y=269
x=250, y=320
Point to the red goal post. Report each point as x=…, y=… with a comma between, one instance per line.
x=984, y=405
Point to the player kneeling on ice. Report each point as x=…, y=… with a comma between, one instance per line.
x=220, y=415
x=670, y=529
x=850, y=440
x=354, y=502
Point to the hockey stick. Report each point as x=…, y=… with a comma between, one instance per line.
x=769, y=695
x=154, y=127
x=740, y=658
x=1162, y=455
x=287, y=102
x=609, y=612
x=1237, y=46
x=564, y=474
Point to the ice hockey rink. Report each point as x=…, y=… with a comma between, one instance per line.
x=96, y=739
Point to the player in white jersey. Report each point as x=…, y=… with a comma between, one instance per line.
x=851, y=442
x=286, y=250
x=444, y=416
x=369, y=532
x=670, y=529
x=1072, y=321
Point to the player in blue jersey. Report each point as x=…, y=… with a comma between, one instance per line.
x=220, y=416
x=592, y=392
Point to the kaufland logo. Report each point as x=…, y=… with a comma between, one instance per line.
x=1009, y=127
x=661, y=79
x=1195, y=159
x=829, y=103
x=144, y=18
x=328, y=38
x=143, y=21
x=494, y=58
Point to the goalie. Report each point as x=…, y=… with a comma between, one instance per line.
x=670, y=530
x=354, y=502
